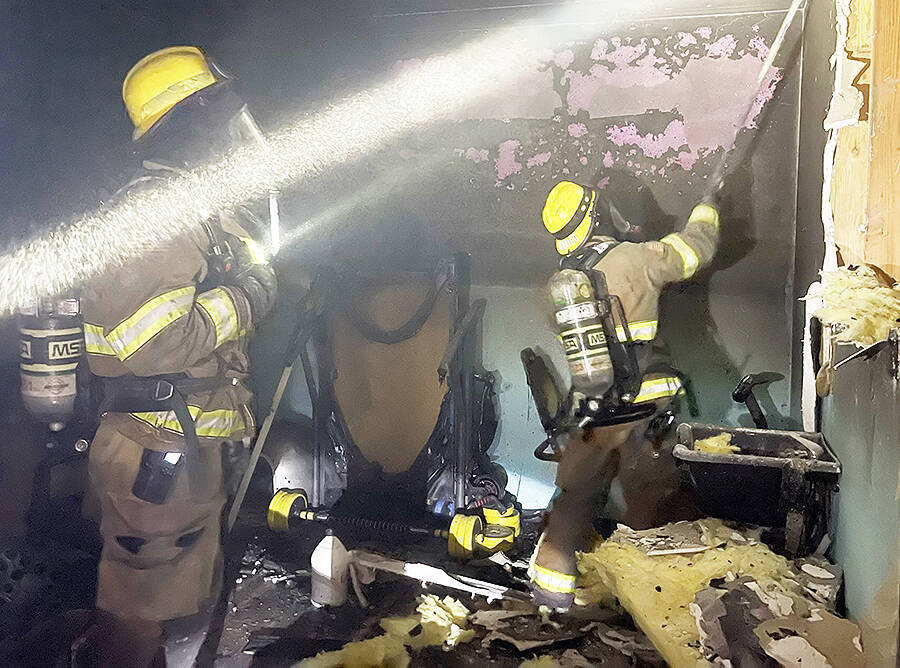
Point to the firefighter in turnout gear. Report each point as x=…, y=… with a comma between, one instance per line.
x=582, y=219
x=166, y=335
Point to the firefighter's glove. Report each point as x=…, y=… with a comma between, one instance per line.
x=259, y=285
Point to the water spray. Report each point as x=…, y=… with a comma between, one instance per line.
x=718, y=174
x=341, y=134
x=82, y=249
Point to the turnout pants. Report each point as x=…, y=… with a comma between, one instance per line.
x=159, y=560
x=586, y=470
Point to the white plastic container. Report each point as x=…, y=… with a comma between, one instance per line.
x=330, y=572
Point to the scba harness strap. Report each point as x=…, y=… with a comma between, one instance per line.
x=130, y=394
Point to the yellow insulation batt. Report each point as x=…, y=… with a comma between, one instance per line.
x=658, y=590
x=719, y=444
x=380, y=652
x=861, y=305
x=443, y=622
x=440, y=621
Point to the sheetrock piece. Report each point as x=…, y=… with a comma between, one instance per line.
x=796, y=652
x=835, y=640
x=629, y=643
x=525, y=644
x=540, y=662
x=490, y=619
x=726, y=615
x=820, y=579
x=842, y=22
x=677, y=538
x=846, y=101
x=808, y=393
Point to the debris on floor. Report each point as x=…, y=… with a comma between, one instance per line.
x=703, y=591
x=438, y=622
x=725, y=594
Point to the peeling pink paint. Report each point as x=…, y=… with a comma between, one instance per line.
x=624, y=55
x=584, y=87
x=759, y=45
x=599, y=50
x=538, y=160
x=686, y=160
x=476, y=155
x=764, y=95
x=577, y=130
x=583, y=160
x=706, y=127
x=608, y=160
x=686, y=39
x=603, y=183
x=722, y=48
x=705, y=32
x=564, y=58
x=506, y=164
x=653, y=146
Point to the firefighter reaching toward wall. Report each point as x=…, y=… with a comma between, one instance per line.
x=589, y=227
x=166, y=333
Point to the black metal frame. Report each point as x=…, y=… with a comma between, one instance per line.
x=460, y=367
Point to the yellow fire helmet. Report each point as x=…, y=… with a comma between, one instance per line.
x=161, y=80
x=567, y=215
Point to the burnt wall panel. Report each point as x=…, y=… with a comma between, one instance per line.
x=644, y=111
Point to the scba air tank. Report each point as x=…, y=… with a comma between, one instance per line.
x=579, y=323
x=51, y=341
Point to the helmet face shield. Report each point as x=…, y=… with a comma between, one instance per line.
x=196, y=130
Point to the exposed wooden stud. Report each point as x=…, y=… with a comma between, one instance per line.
x=865, y=192
x=883, y=213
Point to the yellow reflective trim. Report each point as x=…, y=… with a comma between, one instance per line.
x=689, y=260
x=221, y=423
x=643, y=330
x=257, y=254
x=48, y=368
x=149, y=320
x=704, y=213
x=47, y=333
x=554, y=581
x=658, y=388
x=547, y=579
x=95, y=342
x=218, y=305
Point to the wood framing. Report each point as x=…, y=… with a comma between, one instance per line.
x=865, y=191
